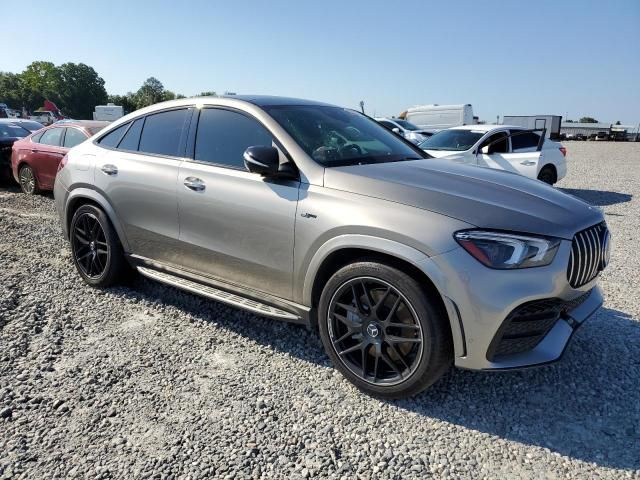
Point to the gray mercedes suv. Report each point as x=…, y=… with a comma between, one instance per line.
x=316, y=214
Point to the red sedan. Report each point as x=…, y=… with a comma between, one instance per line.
x=35, y=159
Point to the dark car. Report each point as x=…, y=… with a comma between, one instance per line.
x=35, y=158
x=10, y=131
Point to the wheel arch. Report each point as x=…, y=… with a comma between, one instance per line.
x=85, y=196
x=551, y=166
x=346, y=249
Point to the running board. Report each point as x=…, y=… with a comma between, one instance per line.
x=218, y=295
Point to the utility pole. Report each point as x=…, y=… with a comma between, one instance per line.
x=362, y=105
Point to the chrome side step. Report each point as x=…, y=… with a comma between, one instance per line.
x=218, y=295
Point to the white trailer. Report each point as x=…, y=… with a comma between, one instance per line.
x=108, y=112
x=552, y=123
x=438, y=117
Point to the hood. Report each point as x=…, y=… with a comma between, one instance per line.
x=486, y=198
x=451, y=155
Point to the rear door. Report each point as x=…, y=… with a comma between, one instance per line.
x=137, y=173
x=46, y=155
x=502, y=155
x=525, y=156
x=235, y=225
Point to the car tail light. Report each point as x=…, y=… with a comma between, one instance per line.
x=63, y=162
x=564, y=151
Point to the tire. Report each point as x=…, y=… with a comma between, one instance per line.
x=547, y=175
x=27, y=180
x=372, y=321
x=95, y=247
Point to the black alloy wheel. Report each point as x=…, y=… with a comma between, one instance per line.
x=374, y=330
x=89, y=245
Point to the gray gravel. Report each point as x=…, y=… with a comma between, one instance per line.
x=145, y=381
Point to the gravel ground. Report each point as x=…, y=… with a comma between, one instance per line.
x=145, y=381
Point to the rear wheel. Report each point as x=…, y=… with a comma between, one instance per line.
x=548, y=175
x=383, y=331
x=95, y=247
x=27, y=179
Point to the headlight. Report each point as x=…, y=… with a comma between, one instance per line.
x=507, y=250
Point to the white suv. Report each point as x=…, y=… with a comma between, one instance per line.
x=502, y=147
x=406, y=129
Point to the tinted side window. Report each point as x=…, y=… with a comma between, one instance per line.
x=36, y=137
x=52, y=137
x=524, y=140
x=389, y=125
x=73, y=137
x=162, y=131
x=223, y=136
x=499, y=146
x=131, y=139
x=112, y=138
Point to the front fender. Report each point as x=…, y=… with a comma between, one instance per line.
x=303, y=290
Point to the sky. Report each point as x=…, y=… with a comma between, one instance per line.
x=575, y=58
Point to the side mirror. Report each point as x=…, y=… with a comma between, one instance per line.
x=486, y=150
x=262, y=160
x=397, y=131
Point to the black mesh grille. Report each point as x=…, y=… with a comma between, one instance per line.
x=588, y=255
x=526, y=326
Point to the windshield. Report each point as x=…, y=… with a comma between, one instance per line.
x=335, y=136
x=406, y=125
x=11, y=130
x=456, y=140
x=31, y=125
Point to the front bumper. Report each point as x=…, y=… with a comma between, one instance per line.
x=479, y=300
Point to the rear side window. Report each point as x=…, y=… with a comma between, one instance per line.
x=73, y=137
x=223, y=136
x=389, y=125
x=36, y=138
x=51, y=137
x=524, y=140
x=112, y=138
x=131, y=139
x=162, y=132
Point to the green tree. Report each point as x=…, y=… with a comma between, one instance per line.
x=168, y=95
x=618, y=122
x=150, y=92
x=81, y=89
x=588, y=120
x=11, y=91
x=40, y=82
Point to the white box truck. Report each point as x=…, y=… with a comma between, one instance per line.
x=438, y=117
x=108, y=112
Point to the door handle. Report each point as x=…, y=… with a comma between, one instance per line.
x=109, y=169
x=527, y=163
x=33, y=150
x=194, y=184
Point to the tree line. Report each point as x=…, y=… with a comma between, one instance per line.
x=76, y=89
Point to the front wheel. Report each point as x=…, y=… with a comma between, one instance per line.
x=384, y=332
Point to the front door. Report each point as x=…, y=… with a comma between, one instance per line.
x=235, y=226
